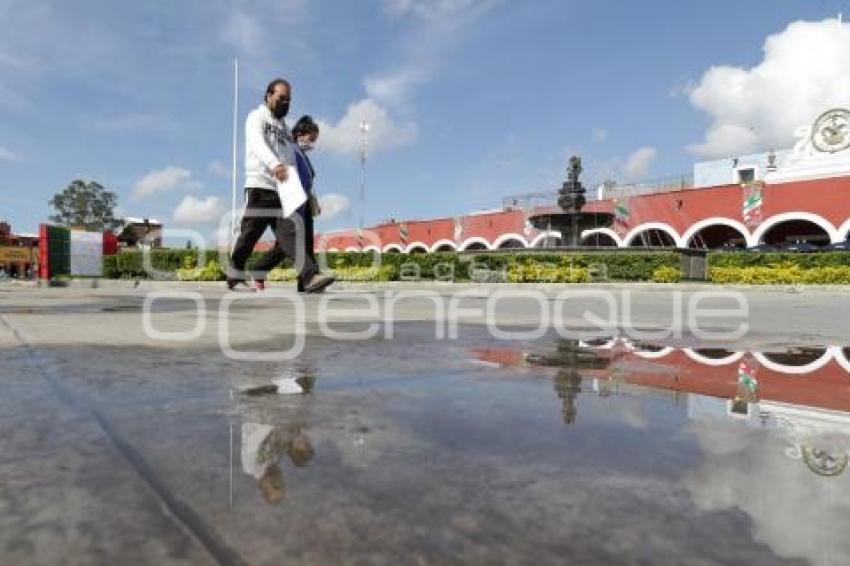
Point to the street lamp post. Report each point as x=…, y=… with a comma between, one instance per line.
x=364, y=129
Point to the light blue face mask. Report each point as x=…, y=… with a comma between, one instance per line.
x=305, y=146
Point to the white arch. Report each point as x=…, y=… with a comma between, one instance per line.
x=414, y=245
x=786, y=216
x=542, y=237
x=700, y=359
x=375, y=249
x=474, y=240
x=439, y=243
x=334, y=250
x=510, y=236
x=395, y=247
x=714, y=221
x=844, y=231
x=605, y=231
x=796, y=370
x=677, y=240
x=838, y=354
x=352, y=249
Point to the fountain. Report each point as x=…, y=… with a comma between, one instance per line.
x=571, y=358
x=572, y=221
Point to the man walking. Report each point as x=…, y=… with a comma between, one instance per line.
x=268, y=152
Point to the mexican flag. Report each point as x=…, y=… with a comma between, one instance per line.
x=458, y=228
x=747, y=382
x=752, y=205
x=621, y=211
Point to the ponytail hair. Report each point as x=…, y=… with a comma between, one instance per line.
x=305, y=126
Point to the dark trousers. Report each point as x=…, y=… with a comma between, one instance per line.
x=286, y=237
x=308, y=244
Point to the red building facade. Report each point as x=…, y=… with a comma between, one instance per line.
x=776, y=199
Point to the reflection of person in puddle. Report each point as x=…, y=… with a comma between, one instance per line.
x=262, y=448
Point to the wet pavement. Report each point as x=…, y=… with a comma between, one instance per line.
x=415, y=450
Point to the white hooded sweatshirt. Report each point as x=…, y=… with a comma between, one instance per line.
x=268, y=144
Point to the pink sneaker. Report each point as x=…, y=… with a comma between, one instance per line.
x=259, y=285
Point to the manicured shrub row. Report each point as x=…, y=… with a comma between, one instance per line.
x=774, y=259
x=787, y=273
x=520, y=267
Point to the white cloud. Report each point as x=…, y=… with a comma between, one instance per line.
x=9, y=155
x=599, y=135
x=395, y=88
x=192, y=210
x=795, y=512
x=333, y=205
x=344, y=137
x=639, y=162
x=162, y=180
x=436, y=10
x=260, y=33
x=219, y=169
x=243, y=32
x=805, y=70
x=134, y=123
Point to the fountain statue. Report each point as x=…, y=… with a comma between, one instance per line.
x=571, y=359
x=572, y=221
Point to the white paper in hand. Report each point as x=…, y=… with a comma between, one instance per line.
x=291, y=192
x=288, y=386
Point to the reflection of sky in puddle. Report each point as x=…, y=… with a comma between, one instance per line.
x=777, y=451
x=477, y=460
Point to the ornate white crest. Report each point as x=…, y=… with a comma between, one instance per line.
x=831, y=131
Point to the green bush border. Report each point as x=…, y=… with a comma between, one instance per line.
x=808, y=260
x=569, y=266
x=659, y=266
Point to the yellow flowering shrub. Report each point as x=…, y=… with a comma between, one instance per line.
x=667, y=274
x=785, y=273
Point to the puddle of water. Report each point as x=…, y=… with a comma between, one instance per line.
x=571, y=452
x=607, y=452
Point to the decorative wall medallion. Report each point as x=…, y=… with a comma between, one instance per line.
x=831, y=131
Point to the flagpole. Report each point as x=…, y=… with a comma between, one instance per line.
x=235, y=141
x=364, y=129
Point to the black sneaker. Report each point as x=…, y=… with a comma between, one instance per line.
x=318, y=283
x=232, y=284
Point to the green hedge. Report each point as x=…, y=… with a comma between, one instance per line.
x=594, y=266
x=129, y=264
x=725, y=267
x=775, y=259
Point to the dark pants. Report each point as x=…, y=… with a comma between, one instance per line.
x=308, y=244
x=286, y=237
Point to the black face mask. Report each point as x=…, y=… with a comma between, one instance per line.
x=281, y=109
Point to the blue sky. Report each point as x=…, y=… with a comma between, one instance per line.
x=470, y=100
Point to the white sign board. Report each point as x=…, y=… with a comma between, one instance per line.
x=86, y=253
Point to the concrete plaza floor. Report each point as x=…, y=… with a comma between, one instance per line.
x=129, y=435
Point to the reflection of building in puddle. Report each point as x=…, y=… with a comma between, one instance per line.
x=819, y=438
x=774, y=429
x=813, y=377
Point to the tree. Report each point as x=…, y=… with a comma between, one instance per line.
x=86, y=205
